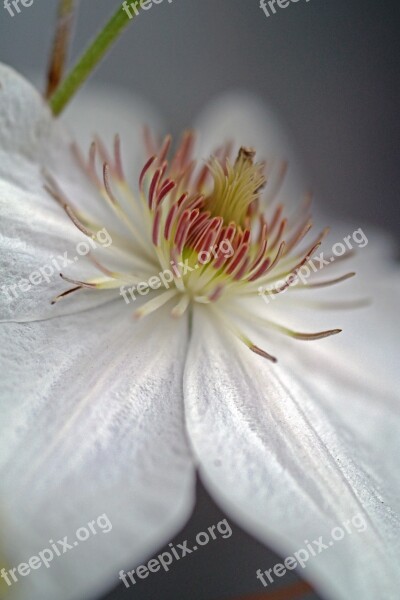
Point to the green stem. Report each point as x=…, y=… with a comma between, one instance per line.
x=88, y=61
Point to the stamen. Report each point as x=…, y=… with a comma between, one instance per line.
x=66, y=293
x=308, y=336
x=170, y=220
x=336, y=304
x=104, y=283
x=268, y=266
x=243, y=338
x=156, y=228
x=216, y=294
x=148, y=141
x=319, y=335
x=298, y=236
x=145, y=170
x=321, y=284
x=153, y=187
x=92, y=158
x=273, y=189
x=237, y=260
x=107, y=185
x=262, y=353
x=202, y=178
x=181, y=307
x=279, y=234
x=275, y=219
x=119, y=171
x=104, y=155
x=242, y=270
x=103, y=269
x=184, y=153
x=164, y=149
x=55, y=191
x=154, y=304
x=165, y=190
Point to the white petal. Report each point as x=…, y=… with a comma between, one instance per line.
x=92, y=423
x=34, y=228
x=293, y=453
x=30, y=138
x=242, y=118
x=38, y=243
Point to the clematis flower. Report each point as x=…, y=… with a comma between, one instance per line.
x=110, y=407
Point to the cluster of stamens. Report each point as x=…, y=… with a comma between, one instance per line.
x=220, y=219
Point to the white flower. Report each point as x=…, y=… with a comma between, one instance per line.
x=102, y=413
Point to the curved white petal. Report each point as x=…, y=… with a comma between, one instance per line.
x=37, y=244
x=31, y=139
x=244, y=119
x=296, y=449
x=92, y=424
x=36, y=235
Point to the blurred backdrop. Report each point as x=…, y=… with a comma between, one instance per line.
x=330, y=69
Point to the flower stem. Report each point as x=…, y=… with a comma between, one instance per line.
x=89, y=60
x=61, y=43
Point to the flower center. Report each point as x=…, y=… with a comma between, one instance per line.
x=212, y=217
x=207, y=233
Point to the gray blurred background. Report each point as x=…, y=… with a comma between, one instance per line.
x=331, y=69
x=329, y=66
